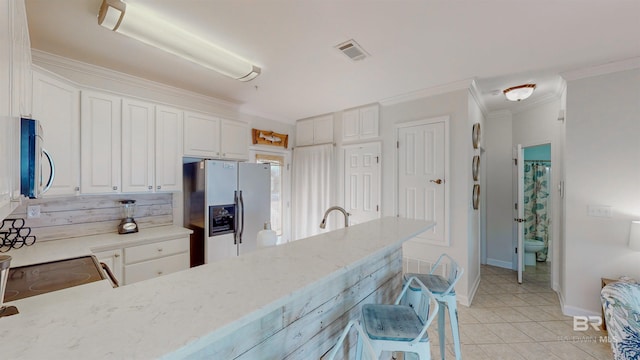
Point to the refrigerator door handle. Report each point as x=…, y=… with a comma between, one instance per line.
x=235, y=218
x=241, y=220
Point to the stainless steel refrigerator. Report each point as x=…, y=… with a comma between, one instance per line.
x=226, y=204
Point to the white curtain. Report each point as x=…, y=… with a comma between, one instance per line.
x=312, y=172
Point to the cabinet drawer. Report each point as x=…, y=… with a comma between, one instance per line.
x=154, y=268
x=139, y=253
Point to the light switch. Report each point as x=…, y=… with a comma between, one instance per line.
x=599, y=211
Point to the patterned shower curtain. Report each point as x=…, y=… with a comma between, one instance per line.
x=536, y=204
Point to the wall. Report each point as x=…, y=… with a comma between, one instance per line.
x=464, y=229
x=602, y=149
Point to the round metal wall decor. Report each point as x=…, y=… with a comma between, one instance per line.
x=475, y=135
x=476, y=196
x=476, y=167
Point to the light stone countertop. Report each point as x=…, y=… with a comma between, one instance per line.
x=86, y=245
x=175, y=315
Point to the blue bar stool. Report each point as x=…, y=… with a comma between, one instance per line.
x=443, y=290
x=400, y=327
x=363, y=342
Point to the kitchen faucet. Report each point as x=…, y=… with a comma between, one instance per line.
x=323, y=224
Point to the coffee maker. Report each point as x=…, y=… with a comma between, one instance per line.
x=128, y=225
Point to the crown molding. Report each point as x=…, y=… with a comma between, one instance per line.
x=602, y=69
x=424, y=93
x=41, y=58
x=477, y=96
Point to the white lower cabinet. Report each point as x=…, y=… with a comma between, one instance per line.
x=113, y=259
x=147, y=261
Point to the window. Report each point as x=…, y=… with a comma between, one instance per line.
x=277, y=163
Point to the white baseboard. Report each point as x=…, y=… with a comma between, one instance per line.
x=500, y=263
x=575, y=311
x=467, y=300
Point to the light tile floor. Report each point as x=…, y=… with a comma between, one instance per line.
x=520, y=322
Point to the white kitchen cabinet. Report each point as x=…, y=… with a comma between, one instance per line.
x=360, y=123
x=56, y=104
x=168, y=154
x=147, y=261
x=100, y=146
x=15, y=97
x=215, y=138
x=113, y=259
x=234, y=141
x=138, y=146
x=201, y=135
x=318, y=130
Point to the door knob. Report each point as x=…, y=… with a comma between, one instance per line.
x=437, y=181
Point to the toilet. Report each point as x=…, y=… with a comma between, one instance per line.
x=530, y=249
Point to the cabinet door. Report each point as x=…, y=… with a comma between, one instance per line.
x=350, y=125
x=57, y=105
x=323, y=129
x=201, y=135
x=100, y=143
x=304, y=132
x=20, y=60
x=234, y=140
x=138, y=145
x=113, y=259
x=5, y=163
x=157, y=267
x=369, y=122
x=168, y=149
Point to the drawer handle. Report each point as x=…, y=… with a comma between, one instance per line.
x=159, y=187
x=159, y=272
x=159, y=249
x=150, y=187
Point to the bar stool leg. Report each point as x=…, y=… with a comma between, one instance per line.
x=441, y=328
x=453, y=318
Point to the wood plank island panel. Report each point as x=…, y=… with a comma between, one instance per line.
x=308, y=326
x=75, y=216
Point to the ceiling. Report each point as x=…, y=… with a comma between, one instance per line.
x=414, y=45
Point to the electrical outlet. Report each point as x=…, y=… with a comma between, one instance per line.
x=599, y=211
x=33, y=211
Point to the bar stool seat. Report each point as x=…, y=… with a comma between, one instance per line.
x=442, y=288
x=401, y=327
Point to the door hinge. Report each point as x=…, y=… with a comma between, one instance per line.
x=515, y=206
x=518, y=220
x=287, y=167
x=515, y=162
x=397, y=144
x=516, y=250
x=377, y=159
x=377, y=207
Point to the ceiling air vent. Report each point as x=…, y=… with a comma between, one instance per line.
x=351, y=49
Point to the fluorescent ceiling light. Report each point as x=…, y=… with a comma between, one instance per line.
x=519, y=92
x=137, y=22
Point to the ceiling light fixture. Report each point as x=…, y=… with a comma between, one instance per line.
x=519, y=92
x=141, y=24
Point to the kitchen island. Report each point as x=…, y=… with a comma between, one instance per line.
x=284, y=302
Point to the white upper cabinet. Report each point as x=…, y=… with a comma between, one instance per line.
x=56, y=104
x=211, y=137
x=100, y=147
x=201, y=135
x=168, y=149
x=15, y=97
x=234, y=143
x=360, y=123
x=313, y=131
x=138, y=146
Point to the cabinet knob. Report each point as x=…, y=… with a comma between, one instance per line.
x=159, y=249
x=159, y=272
x=115, y=188
x=77, y=188
x=116, y=255
x=159, y=187
x=150, y=187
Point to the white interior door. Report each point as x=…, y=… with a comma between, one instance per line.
x=362, y=182
x=421, y=177
x=520, y=210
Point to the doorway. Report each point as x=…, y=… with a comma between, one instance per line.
x=534, y=212
x=362, y=164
